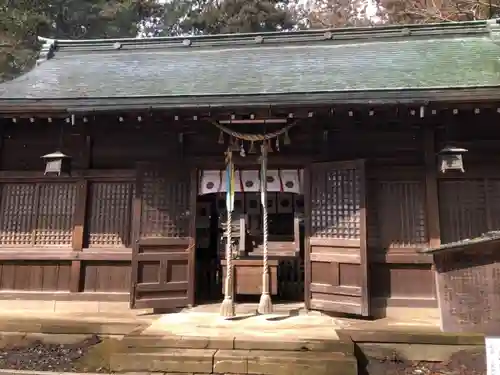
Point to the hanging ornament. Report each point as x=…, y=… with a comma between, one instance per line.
x=242, y=150
x=234, y=145
x=278, y=144
x=268, y=146
x=252, y=148
x=287, y=140
x=221, y=138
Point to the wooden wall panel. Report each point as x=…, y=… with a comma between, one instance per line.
x=379, y=145
x=106, y=276
x=397, y=227
x=25, y=142
x=403, y=281
x=35, y=275
x=142, y=141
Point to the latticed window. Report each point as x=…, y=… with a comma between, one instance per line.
x=467, y=208
x=165, y=202
x=37, y=214
x=335, y=198
x=110, y=214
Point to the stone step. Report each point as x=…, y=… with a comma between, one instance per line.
x=146, y=343
x=220, y=361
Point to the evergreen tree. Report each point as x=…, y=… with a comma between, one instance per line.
x=21, y=21
x=227, y=16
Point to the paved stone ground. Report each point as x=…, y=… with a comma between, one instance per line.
x=25, y=372
x=277, y=325
x=206, y=317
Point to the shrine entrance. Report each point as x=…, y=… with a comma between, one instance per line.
x=285, y=209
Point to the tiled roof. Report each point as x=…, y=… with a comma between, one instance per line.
x=394, y=58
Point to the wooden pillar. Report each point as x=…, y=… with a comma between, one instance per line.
x=431, y=187
x=135, y=225
x=79, y=218
x=2, y=139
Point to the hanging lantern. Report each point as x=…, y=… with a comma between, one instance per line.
x=451, y=159
x=251, y=150
x=287, y=140
x=242, y=150
x=57, y=163
x=277, y=144
x=221, y=138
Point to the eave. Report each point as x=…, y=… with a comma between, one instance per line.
x=378, y=97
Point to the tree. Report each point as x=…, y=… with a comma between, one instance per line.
x=340, y=13
x=227, y=16
x=21, y=21
x=430, y=11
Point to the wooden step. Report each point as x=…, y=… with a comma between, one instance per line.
x=221, y=361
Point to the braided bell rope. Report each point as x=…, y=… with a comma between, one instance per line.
x=229, y=255
x=254, y=137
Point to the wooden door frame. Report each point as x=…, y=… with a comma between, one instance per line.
x=307, y=236
x=193, y=195
x=136, y=230
x=358, y=165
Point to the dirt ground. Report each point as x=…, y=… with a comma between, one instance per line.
x=461, y=363
x=39, y=356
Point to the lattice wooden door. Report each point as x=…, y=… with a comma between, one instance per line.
x=163, y=255
x=336, y=259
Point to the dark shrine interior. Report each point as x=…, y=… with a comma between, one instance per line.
x=285, y=229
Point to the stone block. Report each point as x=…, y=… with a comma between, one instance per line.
x=61, y=339
x=10, y=306
x=178, y=342
x=231, y=361
x=13, y=339
x=170, y=360
x=113, y=307
x=300, y=363
x=76, y=306
x=313, y=345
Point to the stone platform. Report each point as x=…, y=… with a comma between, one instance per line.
x=198, y=341
x=289, y=341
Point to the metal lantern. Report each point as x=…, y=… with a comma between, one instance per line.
x=57, y=163
x=451, y=159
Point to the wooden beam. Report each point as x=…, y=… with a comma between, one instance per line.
x=108, y=175
x=65, y=296
x=431, y=188
x=48, y=254
x=399, y=256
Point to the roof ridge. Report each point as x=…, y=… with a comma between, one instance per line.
x=446, y=29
